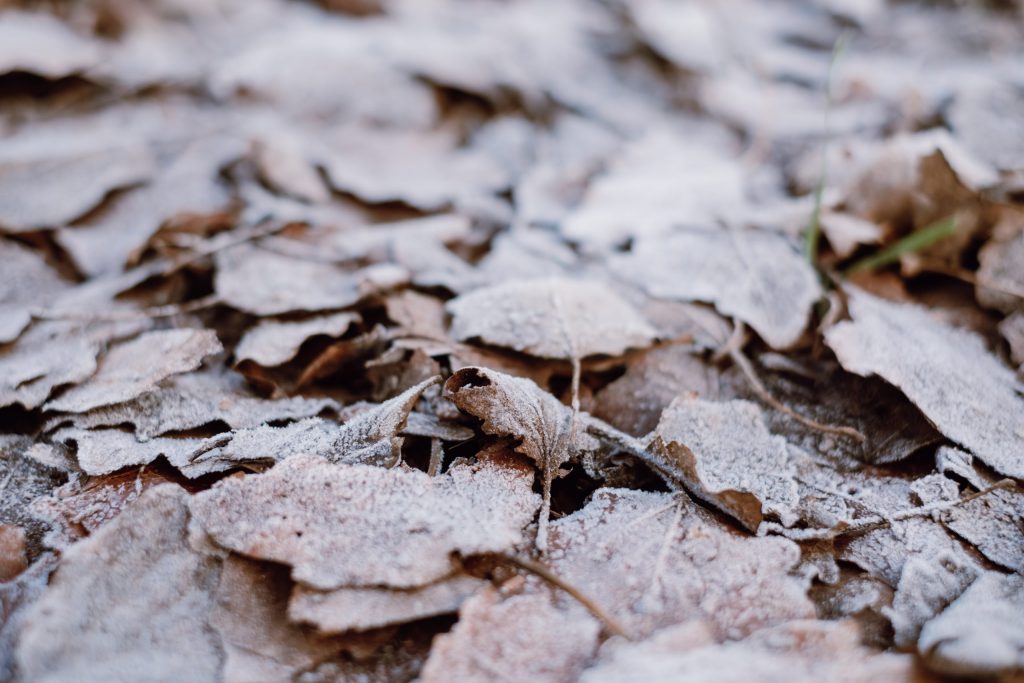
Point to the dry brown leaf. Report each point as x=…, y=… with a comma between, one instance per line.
x=967, y=393
x=136, y=367
x=550, y=318
x=726, y=455
x=274, y=342
x=982, y=633
x=263, y=282
x=86, y=626
x=635, y=401
x=361, y=609
x=356, y=525
x=13, y=558
x=753, y=275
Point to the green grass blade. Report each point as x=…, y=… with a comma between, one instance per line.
x=915, y=241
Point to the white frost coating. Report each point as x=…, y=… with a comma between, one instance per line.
x=137, y=366
x=102, y=451
x=98, y=620
x=357, y=525
x=551, y=318
x=982, y=633
x=726, y=452
x=965, y=391
x=753, y=275
x=274, y=342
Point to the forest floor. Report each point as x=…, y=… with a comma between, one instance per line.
x=466, y=340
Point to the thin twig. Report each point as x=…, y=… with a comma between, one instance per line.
x=743, y=363
x=610, y=623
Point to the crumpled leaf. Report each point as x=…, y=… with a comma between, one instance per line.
x=356, y=525
x=516, y=407
x=274, y=342
x=726, y=455
x=191, y=400
x=927, y=586
x=799, y=651
x=137, y=366
x=550, y=318
x=968, y=394
x=262, y=282
x=981, y=633
x=370, y=437
x=752, y=275
x=361, y=609
x=46, y=356
x=511, y=637
x=87, y=626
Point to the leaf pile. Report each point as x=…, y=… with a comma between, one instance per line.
x=463, y=340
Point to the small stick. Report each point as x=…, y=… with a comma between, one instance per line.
x=436, y=455
x=610, y=623
x=735, y=352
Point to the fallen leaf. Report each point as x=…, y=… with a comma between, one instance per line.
x=752, y=275
x=967, y=393
x=356, y=525
x=275, y=342
x=87, y=627
x=137, y=366
x=36, y=42
x=726, y=455
x=550, y=318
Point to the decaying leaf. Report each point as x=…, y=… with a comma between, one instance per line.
x=357, y=525
x=550, y=318
x=966, y=392
x=137, y=366
x=86, y=626
x=753, y=275
x=725, y=454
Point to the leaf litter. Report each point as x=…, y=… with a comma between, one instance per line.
x=394, y=341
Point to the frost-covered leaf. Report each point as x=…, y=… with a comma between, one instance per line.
x=262, y=282
x=250, y=616
x=753, y=275
x=725, y=454
x=274, y=342
x=982, y=632
x=994, y=524
x=967, y=393
x=16, y=599
x=39, y=43
x=102, y=451
x=45, y=357
x=87, y=626
x=927, y=586
x=28, y=283
x=357, y=525
x=137, y=366
x=370, y=437
x=797, y=652
x=360, y=609
x=513, y=636
x=654, y=559
x=191, y=400
x=550, y=318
